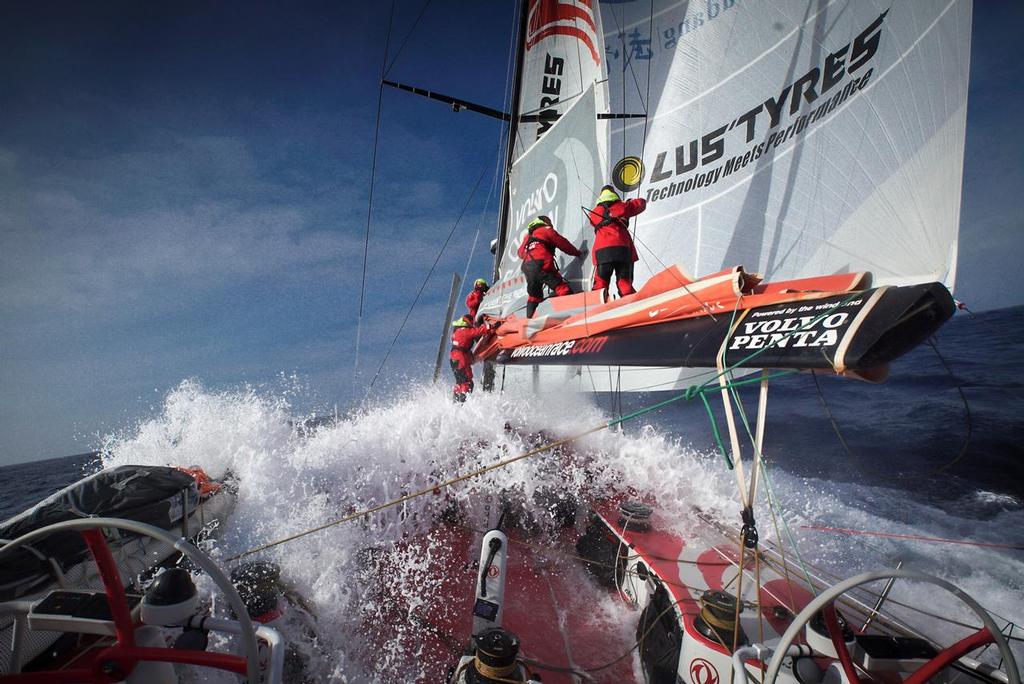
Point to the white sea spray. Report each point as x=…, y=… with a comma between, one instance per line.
x=291, y=478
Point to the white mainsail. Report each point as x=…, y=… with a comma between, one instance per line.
x=561, y=60
x=795, y=138
x=555, y=177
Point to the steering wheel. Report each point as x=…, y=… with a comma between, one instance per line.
x=988, y=634
x=114, y=663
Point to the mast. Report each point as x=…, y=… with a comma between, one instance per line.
x=503, y=210
x=513, y=123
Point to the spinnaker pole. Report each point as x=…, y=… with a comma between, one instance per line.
x=452, y=299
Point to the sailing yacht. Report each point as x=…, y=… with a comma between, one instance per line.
x=801, y=162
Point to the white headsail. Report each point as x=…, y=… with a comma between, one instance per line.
x=795, y=137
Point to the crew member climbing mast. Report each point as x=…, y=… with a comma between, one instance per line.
x=538, y=255
x=614, y=251
x=475, y=296
x=464, y=334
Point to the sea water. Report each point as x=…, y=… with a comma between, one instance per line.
x=904, y=470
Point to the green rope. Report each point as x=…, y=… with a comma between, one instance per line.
x=699, y=391
x=773, y=501
x=714, y=430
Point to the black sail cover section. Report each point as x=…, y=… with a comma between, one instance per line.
x=849, y=331
x=148, y=494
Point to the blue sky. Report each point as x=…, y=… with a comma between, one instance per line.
x=183, y=194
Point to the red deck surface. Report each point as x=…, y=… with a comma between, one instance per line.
x=560, y=614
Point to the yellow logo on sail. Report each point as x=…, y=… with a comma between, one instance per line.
x=628, y=174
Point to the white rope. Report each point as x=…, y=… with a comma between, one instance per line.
x=469, y=261
x=762, y=413
x=734, y=439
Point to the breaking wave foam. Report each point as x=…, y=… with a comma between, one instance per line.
x=291, y=478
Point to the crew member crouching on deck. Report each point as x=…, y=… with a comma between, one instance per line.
x=475, y=296
x=538, y=255
x=464, y=334
x=614, y=251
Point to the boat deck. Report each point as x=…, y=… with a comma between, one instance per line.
x=562, y=616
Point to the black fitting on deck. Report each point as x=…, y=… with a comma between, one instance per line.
x=749, y=529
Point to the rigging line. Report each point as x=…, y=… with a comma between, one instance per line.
x=505, y=148
x=647, y=96
x=427, y=278
x=782, y=546
x=469, y=261
x=476, y=237
x=406, y=39
x=831, y=418
x=912, y=537
x=679, y=280
x=621, y=34
x=967, y=416
x=934, y=471
x=422, y=492
x=623, y=82
x=369, y=203
x=501, y=151
x=825, y=581
x=789, y=531
x=646, y=112
x=483, y=214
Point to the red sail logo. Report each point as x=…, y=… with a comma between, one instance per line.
x=573, y=18
x=703, y=672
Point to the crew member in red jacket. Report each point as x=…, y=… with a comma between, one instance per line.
x=464, y=334
x=614, y=251
x=475, y=296
x=538, y=255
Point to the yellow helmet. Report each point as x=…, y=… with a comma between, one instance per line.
x=461, y=322
x=538, y=222
x=480, y=282
x=608, y=194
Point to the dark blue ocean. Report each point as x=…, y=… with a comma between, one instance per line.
x=940, y=429
x=947, y=424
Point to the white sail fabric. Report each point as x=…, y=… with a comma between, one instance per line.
x=561, y=60
x=555, y=177
x=796, y=137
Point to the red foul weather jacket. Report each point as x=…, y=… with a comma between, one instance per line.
x=473, y=300
x=540, y=245
x=611, y=225
x=463, y=339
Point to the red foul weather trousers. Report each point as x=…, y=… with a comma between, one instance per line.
x=615, y=261
x=462, y=368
